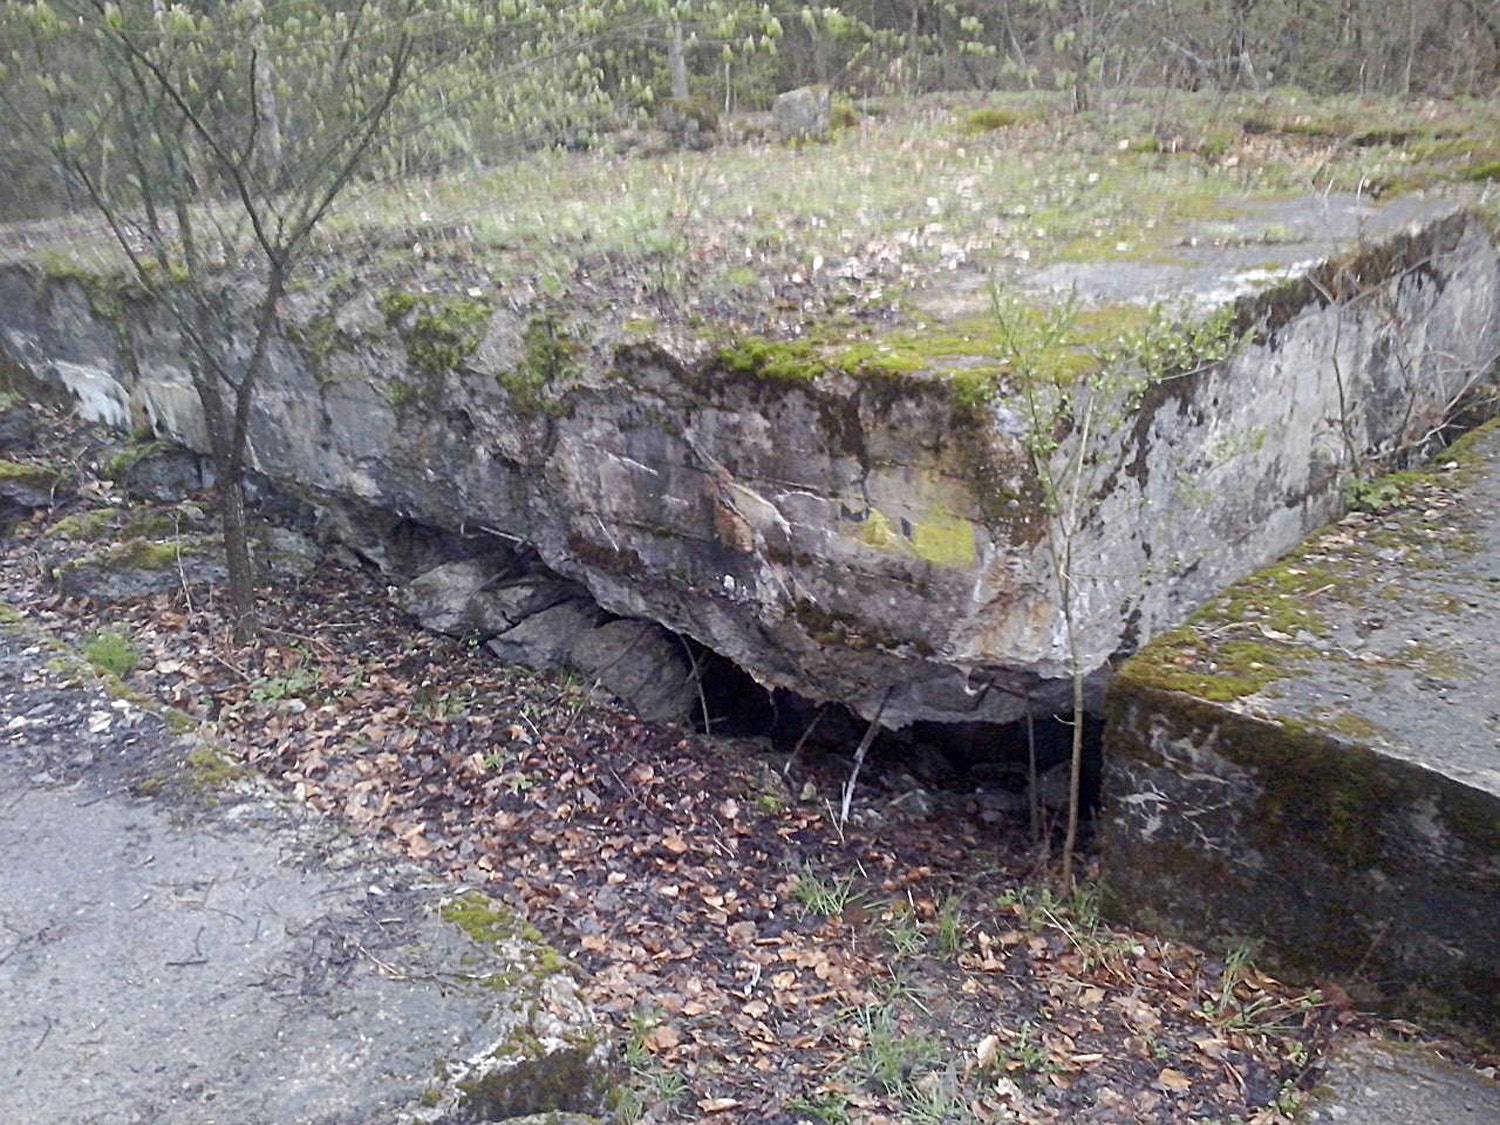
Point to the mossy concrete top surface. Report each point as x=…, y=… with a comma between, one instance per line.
x=1381, y=630
x=1252, y=244
x=761, y=396
x=182, y=946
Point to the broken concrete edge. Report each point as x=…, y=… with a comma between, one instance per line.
x=889, y=360
x=1202, y=657
x=1259, y=789
x=819, y=587
x=1226, y=829
x=545, y=1057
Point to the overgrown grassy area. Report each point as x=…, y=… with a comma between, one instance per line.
x=854, y=239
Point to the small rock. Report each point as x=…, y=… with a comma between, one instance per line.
x=802, y=114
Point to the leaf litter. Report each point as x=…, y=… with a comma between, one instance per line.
x=756, y=961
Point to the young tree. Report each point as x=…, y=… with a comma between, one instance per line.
x=1074, y=418
x=213, y=138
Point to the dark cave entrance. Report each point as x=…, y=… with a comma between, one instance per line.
x=958, y=757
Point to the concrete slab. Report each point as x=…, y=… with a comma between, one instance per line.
x=176, y=946
x=1375, y=1083
x=1313, y=761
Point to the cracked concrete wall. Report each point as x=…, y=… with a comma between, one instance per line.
x=854, y=539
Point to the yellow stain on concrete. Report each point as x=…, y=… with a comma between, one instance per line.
x=942, y=539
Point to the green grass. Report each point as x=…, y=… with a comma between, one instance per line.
x=952, y=934
x=840, y=258
x=892, y=1056
x=113, y=653
x=903, y=932
x=823, y=897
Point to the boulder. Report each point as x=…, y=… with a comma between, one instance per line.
x=545, y=640
x=138, y=568
x=160, y=471
x=17, y=429
x=641, y=663
x=468, y=598
x=689, y=123
x=282, y=554
x=802, y=114
x=439, y=598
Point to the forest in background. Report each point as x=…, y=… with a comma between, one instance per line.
x=492, y=79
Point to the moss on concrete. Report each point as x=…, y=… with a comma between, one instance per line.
x=486, y=922
x=40, y=476
x=551, y=359
x=209, y=770
x=533, y=1079
x=944, y=539
x=1310, y=807
x=121, y=463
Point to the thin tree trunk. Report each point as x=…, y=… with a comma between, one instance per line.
x=237, y=555
x=1075, y=774
x=677, y=63
x=267, y=124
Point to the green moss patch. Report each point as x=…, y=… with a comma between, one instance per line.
x=142, y=554
x=1180, y=661
x=209, y=770
x=486, y=922
x=121, y=463
x=551, y=359
x=41, y=477
x=120, y=523
x=440, y=332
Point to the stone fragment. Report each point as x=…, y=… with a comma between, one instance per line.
x=17, y=429
x=161, y=472
x=545, y=640
x=802, y=114
x=138, y=568
x=641, y=663
x=439, y=598
x=281, y=553
x=689, y=124
x=295, y=974
x=637, y=661
x=467, y=599
x=24, y=488
x=1370, y=1082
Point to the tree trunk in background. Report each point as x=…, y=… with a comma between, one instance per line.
x=268, y=128
x=677, y=64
